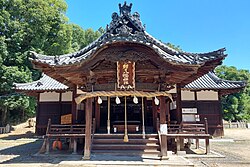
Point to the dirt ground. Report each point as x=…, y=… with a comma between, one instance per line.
x=234, y=146
x=19, y=147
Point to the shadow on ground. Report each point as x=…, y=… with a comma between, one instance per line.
x=28, y=134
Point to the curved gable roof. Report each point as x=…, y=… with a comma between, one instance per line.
x=128, y=27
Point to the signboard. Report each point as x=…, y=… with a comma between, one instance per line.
x=126, y=75
x=66, y=119
x=189, y=110
x=164, y=129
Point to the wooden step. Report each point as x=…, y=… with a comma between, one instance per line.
x=127, y=152
x=114, y=144
x=124, y=146
x=120, y=141
x=120, y=136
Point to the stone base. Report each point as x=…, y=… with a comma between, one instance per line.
x=181, y=153
x=164, y=158
x=86, y=158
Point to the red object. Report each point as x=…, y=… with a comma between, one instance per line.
x=57, y=144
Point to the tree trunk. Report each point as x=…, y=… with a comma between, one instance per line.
x=3, y=115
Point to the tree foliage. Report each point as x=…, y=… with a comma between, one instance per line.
x=32, y=25
x=235, y=106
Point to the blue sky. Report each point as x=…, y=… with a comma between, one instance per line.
x=194, y=25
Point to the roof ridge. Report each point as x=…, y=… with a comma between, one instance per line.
x=32, y=82
x=213, y=75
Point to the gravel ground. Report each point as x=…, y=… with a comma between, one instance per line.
x=19, y=147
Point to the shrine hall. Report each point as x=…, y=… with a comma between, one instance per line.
x=128, y=92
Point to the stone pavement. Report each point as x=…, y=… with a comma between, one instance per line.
x=22, y=152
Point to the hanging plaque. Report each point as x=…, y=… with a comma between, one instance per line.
x=126, y=75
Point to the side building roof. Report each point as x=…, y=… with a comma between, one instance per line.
x=208, y=81
x=45, y=83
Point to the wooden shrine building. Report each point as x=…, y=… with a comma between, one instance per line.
x=131, y=84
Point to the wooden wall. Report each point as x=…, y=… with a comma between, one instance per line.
x=208, y=106
x=52, y=110
x=210, y=110
x=51, y=105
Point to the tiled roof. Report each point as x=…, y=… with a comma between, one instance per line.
x=45, y=83
x=128, y=27
x=210, y=81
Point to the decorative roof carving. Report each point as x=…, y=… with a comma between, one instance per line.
x=125, y=9
x=124, y=30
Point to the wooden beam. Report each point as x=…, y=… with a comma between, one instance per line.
x=88, y=117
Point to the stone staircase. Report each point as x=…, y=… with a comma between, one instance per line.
x=114, y=144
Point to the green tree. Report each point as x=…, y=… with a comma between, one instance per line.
x=235, y=106
x=178, y=48
x=26, y=25
x=32, y=25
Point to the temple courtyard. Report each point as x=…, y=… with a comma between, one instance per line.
x=20, y=148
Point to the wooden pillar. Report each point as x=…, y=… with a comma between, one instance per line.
x=207, y=146
x=163, y=112
x=154, y=112
x=73, y=105
x=47, y=145
x=197, y=143
x=178, y=145
x=88, y=117
x=60, y=106
x=125, y=121
x=178, y=104
x=38, y=113
x=97, y=115
x=168, y=111
x=74, y=146
x=143, y=118
x=108, y=121
x=220, y=112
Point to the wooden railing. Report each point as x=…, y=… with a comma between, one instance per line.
x=69, y=129
x=189, y=128
x=73, y=132
x=189, y=131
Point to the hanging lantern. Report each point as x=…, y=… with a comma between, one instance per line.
x=157, y=102
x=135, y=100
x=117, y=100
x=99, y=101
